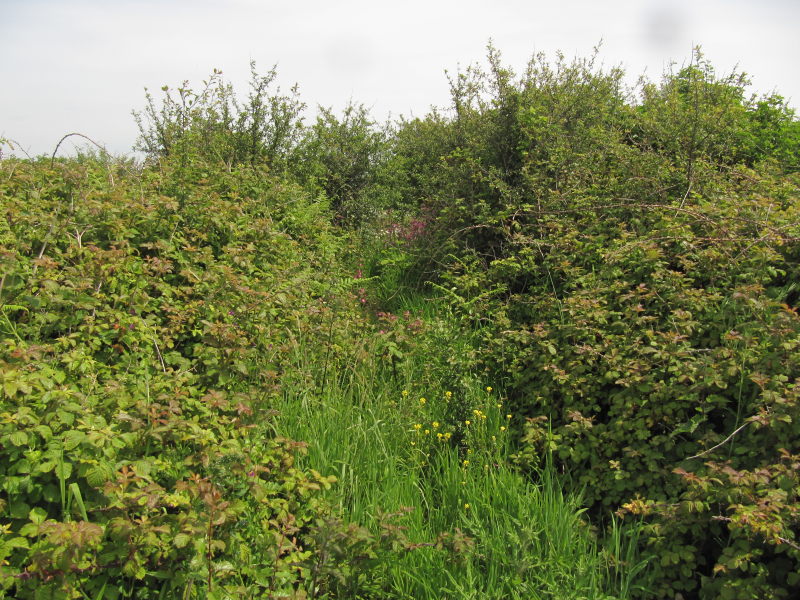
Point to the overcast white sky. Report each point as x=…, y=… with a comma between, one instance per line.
x=82, y=65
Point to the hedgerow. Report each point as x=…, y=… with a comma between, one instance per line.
x=621, y=264
x=631, y=262
x=145, y=339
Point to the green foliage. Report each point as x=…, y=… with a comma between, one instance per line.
x=399, y=440
x=773, y=132
x=213, y=125
x=164, y=328
x=628, y=262
x=143, y=348
x=342, y=157
x=620, y=264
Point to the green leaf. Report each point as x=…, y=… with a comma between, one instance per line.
x=242, y=367
x=37, y=515
x=19, y=510
x=143, y=467
x=97, y=475
x=689, y=426
x=76, y=494
x=64, y=470
x=17, y=542
x=46, y=466
x=29, y=530
x=50, y=492
x=181, y=540
x=18, y=438
x=44, y=431
x=67, y=418
x=73, y=438
x=10, y=388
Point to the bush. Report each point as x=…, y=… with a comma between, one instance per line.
x=143, y=349
x=214, y=126
x=628, y=261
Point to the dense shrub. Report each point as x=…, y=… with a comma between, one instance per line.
x=623, y=263
x=631, y=260
x=143, y=348
x=213, y=125
x=342, y=157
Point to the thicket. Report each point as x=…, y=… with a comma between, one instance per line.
x=198, y=377
x=631, y=257
x=621, y=264
x=143, y=340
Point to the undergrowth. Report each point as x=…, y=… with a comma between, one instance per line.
x=201, y=398
x=543, y=344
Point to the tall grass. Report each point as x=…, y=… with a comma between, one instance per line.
x=363, y=426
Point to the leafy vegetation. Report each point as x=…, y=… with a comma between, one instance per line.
x=540, y=344
x=632, y=264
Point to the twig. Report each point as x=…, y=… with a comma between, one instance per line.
x=43, y=248
x=11, y=143
x=86, y=137
x=789, y=543
x=160, y=358
x=685, y=196
x=726, y=440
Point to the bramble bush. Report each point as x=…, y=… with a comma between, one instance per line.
x=631, y=263
x=622, y=264
x=145, y=340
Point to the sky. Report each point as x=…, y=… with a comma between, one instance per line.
x=83, y=65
